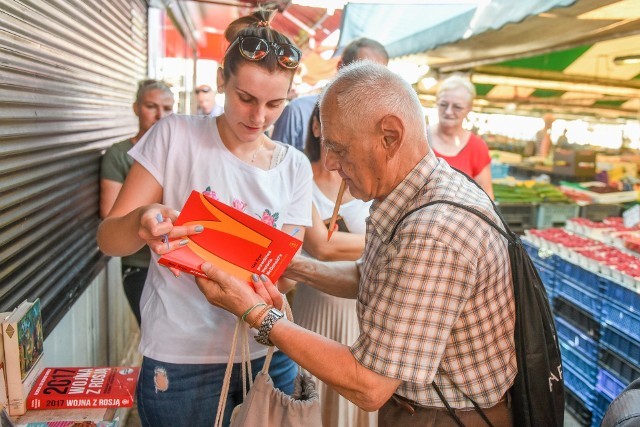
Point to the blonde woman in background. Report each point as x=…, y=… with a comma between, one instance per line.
x=461, y=148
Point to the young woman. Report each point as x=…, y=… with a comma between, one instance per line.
x=186, y=341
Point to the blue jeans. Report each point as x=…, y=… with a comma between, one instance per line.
x=175, y=395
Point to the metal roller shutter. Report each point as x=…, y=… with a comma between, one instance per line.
x=68, y=74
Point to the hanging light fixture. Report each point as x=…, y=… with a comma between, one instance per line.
x=626, y=60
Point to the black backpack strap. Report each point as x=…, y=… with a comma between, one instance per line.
x=508, y=234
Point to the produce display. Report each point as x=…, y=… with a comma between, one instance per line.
x=613, y=262
x=597, y=192
x=529, y=192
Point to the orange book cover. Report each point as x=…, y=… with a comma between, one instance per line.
x=232, y=240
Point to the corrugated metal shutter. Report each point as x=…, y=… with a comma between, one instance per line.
x=68, y=75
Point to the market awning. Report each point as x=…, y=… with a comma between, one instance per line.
x=528, y=55
x=414, y=28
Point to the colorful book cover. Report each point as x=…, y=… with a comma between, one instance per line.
x=232, y=240
x=90, y=387
x=23, y=349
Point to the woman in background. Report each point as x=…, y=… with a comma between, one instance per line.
x=333, y=317
x=461, y=148
x=154, y=100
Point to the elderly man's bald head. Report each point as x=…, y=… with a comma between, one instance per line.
x=366, y=91
x=373, y=128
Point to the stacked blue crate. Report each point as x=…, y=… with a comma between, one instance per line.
x=578, y=307
x=619, y=361
x=545, y=263
x=598, y=324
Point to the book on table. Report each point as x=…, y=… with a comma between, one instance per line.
x=4, y=399
x=80, y=417
x=23, y=351
x=84, y=387
x=232, y=240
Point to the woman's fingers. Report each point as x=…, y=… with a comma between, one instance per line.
x=267, y=290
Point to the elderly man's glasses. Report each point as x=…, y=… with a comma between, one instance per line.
x=257, y=48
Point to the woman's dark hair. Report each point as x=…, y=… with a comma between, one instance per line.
x=312, y=145
x=255, y=25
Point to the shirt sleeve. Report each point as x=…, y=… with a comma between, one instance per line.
x=299, y=212
x=426, y=286
x=289, y=128
x=152, y=149
x=481, y=157
x=114, y=165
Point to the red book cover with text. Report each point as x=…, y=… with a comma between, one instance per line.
x=232, y=240
x=90, y=387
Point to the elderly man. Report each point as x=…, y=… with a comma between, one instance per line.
x=434, y=290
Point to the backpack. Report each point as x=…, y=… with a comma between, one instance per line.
x=624, y=411
x=537, y=394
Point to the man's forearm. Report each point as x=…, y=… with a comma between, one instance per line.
x=333, y=363
x=337, y=278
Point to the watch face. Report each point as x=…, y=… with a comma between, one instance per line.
x=277, y=312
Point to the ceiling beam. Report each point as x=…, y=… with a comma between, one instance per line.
x=527, y=73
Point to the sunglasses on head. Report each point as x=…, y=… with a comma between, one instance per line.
x=256, y=49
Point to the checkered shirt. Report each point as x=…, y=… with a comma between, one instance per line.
x=436, y=301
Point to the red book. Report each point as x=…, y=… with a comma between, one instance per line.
x=103, y=387
x=232, y=240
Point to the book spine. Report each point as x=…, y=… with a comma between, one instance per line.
x=168, y=263
x=4, y=397
x=16, y=402
x=77, y=402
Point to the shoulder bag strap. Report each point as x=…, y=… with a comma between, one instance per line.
x=227, y=377
x=507, y=234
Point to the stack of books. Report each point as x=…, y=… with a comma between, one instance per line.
x=75, y=393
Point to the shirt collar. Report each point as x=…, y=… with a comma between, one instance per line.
x=385, y=213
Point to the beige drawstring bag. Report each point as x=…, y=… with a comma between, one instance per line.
x=265, y=405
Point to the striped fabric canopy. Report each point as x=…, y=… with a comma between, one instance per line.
x=541, y=56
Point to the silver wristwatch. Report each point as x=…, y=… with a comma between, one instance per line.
x=273, y=315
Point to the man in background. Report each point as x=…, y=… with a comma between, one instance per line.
x=206, y=98
x=292, y=126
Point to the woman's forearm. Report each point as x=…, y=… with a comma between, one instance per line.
x=118, y=236
x=342, y=246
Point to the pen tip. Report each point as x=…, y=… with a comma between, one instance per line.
x=330, y=232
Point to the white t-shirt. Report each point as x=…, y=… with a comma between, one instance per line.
x=185, y=153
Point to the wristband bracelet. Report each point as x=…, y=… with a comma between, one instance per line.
x=273, y=315
x=254, y=324
x=246, y=313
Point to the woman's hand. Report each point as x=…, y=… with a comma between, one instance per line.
x=234, y=295
x=157, y=230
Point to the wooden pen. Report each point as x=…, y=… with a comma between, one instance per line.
x=336, y=208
